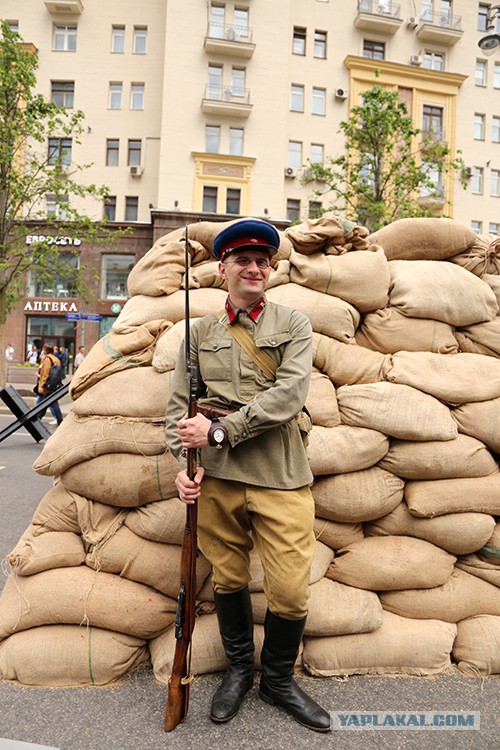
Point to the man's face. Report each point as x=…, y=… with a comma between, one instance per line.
x=246, y=273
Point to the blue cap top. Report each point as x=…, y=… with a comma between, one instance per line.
x=246, y=233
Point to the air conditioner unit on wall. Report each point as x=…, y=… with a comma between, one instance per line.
x=416, y=59
x=412, y=22
x=290, y=172
x=341, y=93
x=136, y=171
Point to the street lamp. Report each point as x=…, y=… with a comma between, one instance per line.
x=491, y=41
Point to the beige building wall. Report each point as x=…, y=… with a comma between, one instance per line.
x=174, y=71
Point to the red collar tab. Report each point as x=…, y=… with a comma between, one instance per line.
x=254, y=313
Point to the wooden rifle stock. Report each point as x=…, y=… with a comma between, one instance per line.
x=178, y=686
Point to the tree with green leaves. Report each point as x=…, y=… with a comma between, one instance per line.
x=35, y=164
x=389, y=169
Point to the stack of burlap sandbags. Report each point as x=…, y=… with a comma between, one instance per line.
x=405, y=399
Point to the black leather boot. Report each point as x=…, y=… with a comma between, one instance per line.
x=277, y=686
x=234, y=612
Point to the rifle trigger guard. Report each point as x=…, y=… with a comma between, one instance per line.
x=187, y=680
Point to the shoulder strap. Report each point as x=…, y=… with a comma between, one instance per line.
x=263, y=361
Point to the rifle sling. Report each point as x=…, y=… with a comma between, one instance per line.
x=263, y=361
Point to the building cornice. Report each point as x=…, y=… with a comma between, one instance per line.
x=387, y=72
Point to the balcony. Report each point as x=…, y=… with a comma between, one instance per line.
x=441, y=27
x=433, y=199
x=431, y=137
x=225, y=39
x=68, y=7
x=226, y=100
x=382, y=16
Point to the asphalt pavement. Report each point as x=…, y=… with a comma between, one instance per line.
x=128, y=715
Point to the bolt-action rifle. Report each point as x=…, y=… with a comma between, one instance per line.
x=180, y=679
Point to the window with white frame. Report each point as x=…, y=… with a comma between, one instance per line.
x=217, y=21
x=118, y=39
x=496, y=76
x=299, y=40
x=317, y=153
x=238, y=81
x=482, y=17
x=140, y=40
x=495, y=183
x=495, y=129
x=115, y=96
x=318, y=101
x=114, y=275
x=236, y=141
x=137, y=96
x=480, y=72
x=479, y=127
x=212, y=139
x=433, y=60
x=320, y=44
x=476, y=226
x=296, y=98
x=65, y=38
x=214, y=90
x=295, y=154
x=57, y=206
x=241, y=16
x=493, y=228
x=477, y=180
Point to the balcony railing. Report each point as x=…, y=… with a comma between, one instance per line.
x=444, y=19
x=229, y=32
x=380, y=8
x=230, y=94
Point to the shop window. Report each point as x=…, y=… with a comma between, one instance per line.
x=115, y=271
x=44, y=282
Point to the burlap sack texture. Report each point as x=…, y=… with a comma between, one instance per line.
x=405, y=400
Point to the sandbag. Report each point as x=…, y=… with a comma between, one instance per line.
x=463, y=595
x=482, y=338
x=401, y=563
x=441, y=291
x=113, y=353
x=162, y=521
x=477, y=646
x=463, y=456
x=474, y=565
x=360, y=278
x=337, y=450
x=205, y=232
x=141, y=392
x=483, y=257
x=439, y=496
x=207, y=275
x=458, y=533
x=124, y=479
x=491, y=551
x=390, y=331
x=321, y=401
x=336, y=534
x=55, y=549
x=329, y=234
x=161, y=269
x=424, y=238
x=139, y=310
x=455, y=378
x=480, y=419
x=69, y=656
x=396, y=410
x=493, y=282
x=165, y=356
x=348, y=364
x=334, y=609
x=73, y=596
x=399, y=646
x=357, y=496
x=152, y=563
x=80, y=438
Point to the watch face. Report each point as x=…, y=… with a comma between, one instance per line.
x=219, y=435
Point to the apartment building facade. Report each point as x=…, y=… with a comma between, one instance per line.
x=215, y=108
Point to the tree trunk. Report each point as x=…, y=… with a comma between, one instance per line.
x=3, y=318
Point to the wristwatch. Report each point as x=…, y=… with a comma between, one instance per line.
x=217, y=434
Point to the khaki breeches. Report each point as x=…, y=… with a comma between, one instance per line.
x=281, y=526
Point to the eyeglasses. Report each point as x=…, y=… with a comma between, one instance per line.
x=243, y=261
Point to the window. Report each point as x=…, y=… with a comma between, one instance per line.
x=233, y=199
x=137, y=96
x=299, y=40
x=62, y=93
x=214, y=90
x=212, y=139
x=115, y=96
x=134, y=152
x=318, y=101
x=480, y=72
x=317, y=153
x=236, y=141
x=131, y=207
x=217, y=20
x=140, y=40
x=479, y=121
x=294, y=154
x=315, y=209
x=115, y=271
x=56, y=206
x=495, y=183
x=241, y=21
x=432, y=122
x=209, y=199
x=477, y=180
x=374, y=50
x=65, y=38
x=60, y=284
x=110, y=208
x=493, y=228
x=118, y=39
x=112, y=152
x=433, y=61
x=495, y=129
x=59, y=151
x=496, y=76
x=320, y=44
x=482, y=17
x=238, y=81
x=13, y=26
x=293, y=209
x=297, y=98
x=476, y=226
